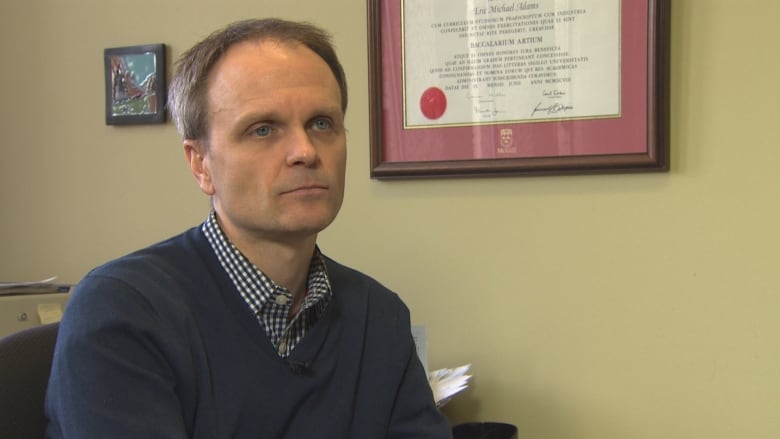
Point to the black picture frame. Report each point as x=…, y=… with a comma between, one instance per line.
x=387, y=130
x=135, y=84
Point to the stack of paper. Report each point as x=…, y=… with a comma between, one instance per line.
x=446, y=383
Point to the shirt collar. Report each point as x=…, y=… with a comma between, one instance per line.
x=251, y=282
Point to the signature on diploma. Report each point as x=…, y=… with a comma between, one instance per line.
x=489, y=98
x=553, y=108
x=485, y=106
x=553, y=94
x=486, y=112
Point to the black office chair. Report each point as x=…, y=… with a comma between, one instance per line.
x=25, y=364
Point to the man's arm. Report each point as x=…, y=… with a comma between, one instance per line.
x=111, y=376
x=415, y=414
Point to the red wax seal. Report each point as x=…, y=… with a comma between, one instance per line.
x=433, y=103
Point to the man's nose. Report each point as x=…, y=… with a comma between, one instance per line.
x=300, y=149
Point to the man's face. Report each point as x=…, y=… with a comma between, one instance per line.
x=276, y=154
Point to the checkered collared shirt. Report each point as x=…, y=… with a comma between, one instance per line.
x=266, y=299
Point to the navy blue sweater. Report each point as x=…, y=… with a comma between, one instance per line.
x=159, y=344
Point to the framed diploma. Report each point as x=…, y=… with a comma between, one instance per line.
x=511, y=87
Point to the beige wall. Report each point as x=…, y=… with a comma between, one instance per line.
x=591, y=307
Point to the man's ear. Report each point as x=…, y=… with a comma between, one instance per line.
x=195, y=152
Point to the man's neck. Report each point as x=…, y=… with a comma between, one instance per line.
x=287, y=265
x=285, y=261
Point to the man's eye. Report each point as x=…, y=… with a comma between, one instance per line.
x=322, y=124
x=263, y=131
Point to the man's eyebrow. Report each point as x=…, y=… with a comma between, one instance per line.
x=244, y=120
x=328, y=109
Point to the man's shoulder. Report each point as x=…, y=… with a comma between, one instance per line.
x=175, y=257
x=171, y=250
x=157, y=280
x=350, y=282
x=350, y=277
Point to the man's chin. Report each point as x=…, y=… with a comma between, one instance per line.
x=308, y=226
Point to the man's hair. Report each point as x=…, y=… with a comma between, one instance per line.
x=187, y=93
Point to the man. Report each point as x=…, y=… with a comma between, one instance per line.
x=241, y=328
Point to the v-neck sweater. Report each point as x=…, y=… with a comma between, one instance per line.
x=159, y=344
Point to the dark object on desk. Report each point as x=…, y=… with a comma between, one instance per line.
x=484, y=430
x=25, y=364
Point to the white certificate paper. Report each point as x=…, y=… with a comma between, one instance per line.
x=502, y=61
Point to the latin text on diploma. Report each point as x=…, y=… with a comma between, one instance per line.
x=498, y=61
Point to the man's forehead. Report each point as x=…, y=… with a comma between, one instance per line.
x=259, y=58
x=271, y=73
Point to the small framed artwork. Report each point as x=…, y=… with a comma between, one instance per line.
x=135, y=84
x=462, y=88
